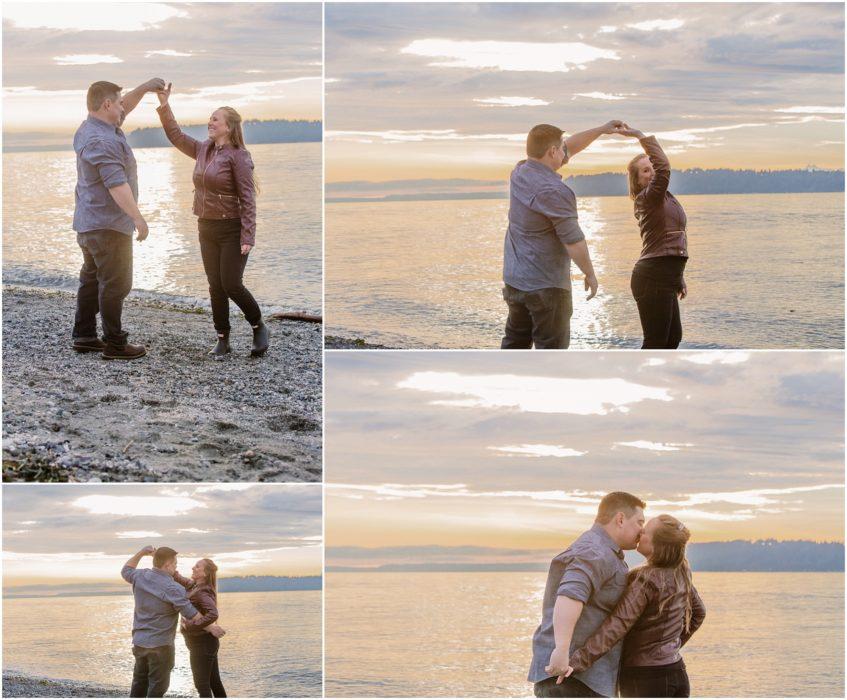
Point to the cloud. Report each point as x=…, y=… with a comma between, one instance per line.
x=137, y=534
x=528, y=450
x=812, y=110
x=509, y=55
x=194, y=531
x=534, y=394
x=168, y=52
x=154, y=506
x=662, y=25
x=604, y=95
x=655, y=446
x=418, y=135
x=86, y=59
x=512, y=101
x=91, y=16
x=718, y=357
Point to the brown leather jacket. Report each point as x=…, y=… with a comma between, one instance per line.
x=204, y=599
x=651, y=638
x=223, y=177
x=661, y=217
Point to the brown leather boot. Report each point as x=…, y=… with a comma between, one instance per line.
x=123, y=352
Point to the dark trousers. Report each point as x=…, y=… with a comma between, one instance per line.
x=152, y=673
x=203, y=650
x=541, y=317
x=655, y=291
x=105, y=279
x=220, y=246
x=569, y=688
x=655, y=682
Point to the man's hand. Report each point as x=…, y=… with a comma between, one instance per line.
x=559, y=664
x=141, y=225
x=154, y=85
x=148, y=550
x=215, y=630
x=682, y=292
x=612, y=127
x=627, y=130
x=591, y=284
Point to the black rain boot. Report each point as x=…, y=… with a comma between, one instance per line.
x=221, y=347
x=261, y=338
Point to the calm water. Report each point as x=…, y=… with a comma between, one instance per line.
x=272, y=647
x=469, y=634
x=766, y=271
x=284, y=272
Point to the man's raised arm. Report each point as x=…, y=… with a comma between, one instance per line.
x=131, y=99
x=581, y=140
x=128, y=570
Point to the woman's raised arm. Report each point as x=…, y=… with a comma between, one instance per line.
x=185, y=143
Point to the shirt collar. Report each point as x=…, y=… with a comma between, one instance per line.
x=540, y=167
x=161, y=573
x=98, y=123
x=600, y=531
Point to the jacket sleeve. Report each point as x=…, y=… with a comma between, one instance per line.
x=208, y=609
x=698, y=614
x=614, y=628
x=186, y=583
x=185, y=143
x=245, y=188
x=654, y=193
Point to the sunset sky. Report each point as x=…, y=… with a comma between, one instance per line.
x=434, y=90
x=56, y=534
x=264, y=59
x=473, y=449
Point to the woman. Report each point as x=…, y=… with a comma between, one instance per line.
x=657, y=280
x=657, y=614
x=203, y=646
x=225, y=204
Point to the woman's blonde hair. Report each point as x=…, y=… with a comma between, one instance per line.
x=632, y=173
x=669, y=542
x=236, y=133
x=211, y=571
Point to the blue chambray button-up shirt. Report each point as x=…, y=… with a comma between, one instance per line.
x=104, y=160
x=159, y=600
x=593, y=571
x=542, y=218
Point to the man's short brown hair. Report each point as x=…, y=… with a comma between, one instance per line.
x=540, y=138
x=162, y=556
x=99, y=92
x=618, y=502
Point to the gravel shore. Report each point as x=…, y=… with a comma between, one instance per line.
x=337, y=342
x=174, y=415
x=16, y=685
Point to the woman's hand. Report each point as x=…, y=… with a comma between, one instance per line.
x=246, y=248
x=682, y=292
x=164, y=94
x=627, y=130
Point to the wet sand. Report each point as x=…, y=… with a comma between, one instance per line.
x=17, y=685
x=174, y=415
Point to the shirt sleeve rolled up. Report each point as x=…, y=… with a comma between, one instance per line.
x=175, y=595
x=559, y=205
x=108, y=158
x=128, y=573
x=580, y=579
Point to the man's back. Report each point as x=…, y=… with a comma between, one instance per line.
x=158, y=602
x=591, y=570
x=542, y=218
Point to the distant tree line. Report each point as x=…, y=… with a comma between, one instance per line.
x=255, y=131
x=767, y=555
x=241, y=584
x=718, y=181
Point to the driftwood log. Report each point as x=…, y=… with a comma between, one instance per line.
x=297, y=316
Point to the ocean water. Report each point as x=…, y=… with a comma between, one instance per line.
x=284, y=270
x=272, y=647
x=766, y=271
x=469, y=634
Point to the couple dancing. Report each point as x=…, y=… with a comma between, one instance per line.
x=161, y=597
x=106, y=214
x=543, y=237
x=605, y=628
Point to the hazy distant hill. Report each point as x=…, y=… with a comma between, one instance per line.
x=737, y=555
x=695, y=181
x=255, y=131
x=235, y=584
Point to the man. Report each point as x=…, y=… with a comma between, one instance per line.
x=583, y=586
x=159, y=600
x=105, y=216
x=542, y=238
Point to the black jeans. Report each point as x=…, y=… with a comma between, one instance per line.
x=152, y=673
x=655, y=682
x=542, y=317
x=203, y=650
x=569, y=688
x=105, y=279
x=220, y=246
x=655, y=283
